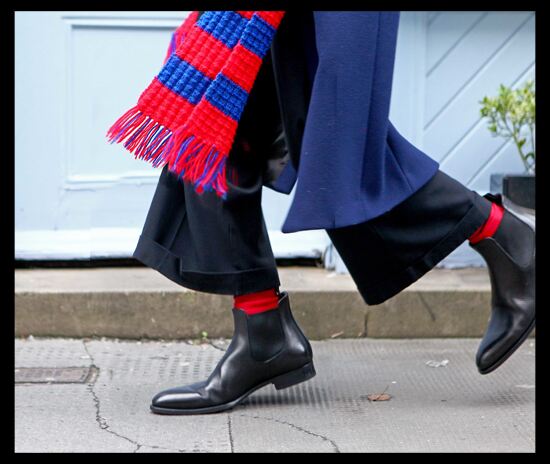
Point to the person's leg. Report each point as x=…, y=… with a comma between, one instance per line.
x=389, y=253
x=222, y=246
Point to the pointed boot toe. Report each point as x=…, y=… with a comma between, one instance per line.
x=266, y=348
x=510, y=258
x=186, y=397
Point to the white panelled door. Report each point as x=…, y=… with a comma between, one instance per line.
x=76, y=196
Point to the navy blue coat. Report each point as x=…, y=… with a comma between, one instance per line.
x=333, y=74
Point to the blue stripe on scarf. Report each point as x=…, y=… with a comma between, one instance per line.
x=182, y=78
x=257, y=36
x=227, y=96
x=226, y=26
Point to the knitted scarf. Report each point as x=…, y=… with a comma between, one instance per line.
x=187, y=117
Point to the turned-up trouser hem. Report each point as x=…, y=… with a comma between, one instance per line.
x=376, y=292
x=208, y=244
x=157, y=257
x=387, y=254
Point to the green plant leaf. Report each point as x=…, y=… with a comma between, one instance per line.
x=511, y=115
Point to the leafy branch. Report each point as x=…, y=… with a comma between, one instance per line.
x=511, y=114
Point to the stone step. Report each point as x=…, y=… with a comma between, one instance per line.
x=138, y=302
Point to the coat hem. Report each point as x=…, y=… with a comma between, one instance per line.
x=341, y=220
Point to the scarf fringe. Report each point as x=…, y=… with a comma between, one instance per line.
x=187, y=156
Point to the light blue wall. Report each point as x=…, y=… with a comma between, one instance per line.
x=446, y=62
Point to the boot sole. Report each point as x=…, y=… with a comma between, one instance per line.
x=286, y=380
x=509, y=353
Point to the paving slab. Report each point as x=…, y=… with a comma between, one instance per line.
x=450, y=408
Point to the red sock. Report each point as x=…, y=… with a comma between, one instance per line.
x=257, y=302
x=490, y=226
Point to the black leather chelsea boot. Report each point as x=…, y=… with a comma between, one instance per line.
x=510, y=258
x=267, y=347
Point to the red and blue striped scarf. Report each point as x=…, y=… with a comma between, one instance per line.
x=188, y=116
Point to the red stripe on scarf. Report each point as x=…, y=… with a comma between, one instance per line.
x=246, y=14
x=165, y=106
x=242, y=67
x=195, y=42
x=206, y=53
x=272, y=17
x=213, y=125
x=188, y=23
x=179, y=34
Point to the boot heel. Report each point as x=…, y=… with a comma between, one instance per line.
x=294, y=377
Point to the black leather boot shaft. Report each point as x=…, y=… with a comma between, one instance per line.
x=510, y=257
x=268, y=347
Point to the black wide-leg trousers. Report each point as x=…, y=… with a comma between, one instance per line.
x=207, y=244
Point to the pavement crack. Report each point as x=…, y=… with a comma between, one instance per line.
x=230, y=431
x=216, y=346
x=102, y=422
x=297, y=427
x=427, y=306
x=161, y=447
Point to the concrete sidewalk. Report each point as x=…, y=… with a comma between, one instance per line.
x=450, y=408
x=142, y=303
